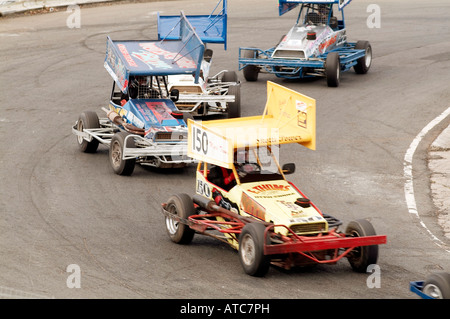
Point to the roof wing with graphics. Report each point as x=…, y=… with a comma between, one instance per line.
x=289, y=117
x=128, y=58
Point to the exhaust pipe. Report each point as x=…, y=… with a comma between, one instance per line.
x=210, y=205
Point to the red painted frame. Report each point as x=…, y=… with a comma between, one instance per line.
x=293, y=243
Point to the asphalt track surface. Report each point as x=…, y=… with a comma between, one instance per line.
x=61, y=207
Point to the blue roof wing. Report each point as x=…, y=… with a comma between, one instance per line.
x=133, y=58
x=210, y=28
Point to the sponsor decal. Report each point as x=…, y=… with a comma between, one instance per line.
x=327, y=43
x=323, y=41
x=251, y=207
x=153, y=56
x=269, y=187
x=281, y=139
x=208, y=144
x=146, y=113
x=301, y=106
x=134, y=120
x=152, y=60
x=116, y=68
x=126, y=55
x=160, y=110
x=302, y=119
x=294, y=208
x=302, y=115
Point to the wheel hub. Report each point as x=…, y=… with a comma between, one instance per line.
x=116, y=154
x=172, y=224
x=433, y=291
x=248, y=250
x=80, y=127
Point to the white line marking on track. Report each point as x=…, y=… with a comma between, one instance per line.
x=409, y=185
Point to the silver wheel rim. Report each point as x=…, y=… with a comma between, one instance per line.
x=116, y=154
x=171, y=224
x=433, y=291
x=368, y=58
x=248, y=249
x=80, y=128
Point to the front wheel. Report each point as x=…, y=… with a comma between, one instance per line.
x=437, y=286
x=333, y=69
x=251, y=250
x=119, y=165
x=361, y=257
x=363, y=64
x=251, y=72
x=182, y=206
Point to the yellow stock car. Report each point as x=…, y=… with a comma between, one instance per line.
x=243, y=198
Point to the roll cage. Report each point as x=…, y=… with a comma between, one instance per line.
x=263, y=157
x=155, y=87
x=320, y=14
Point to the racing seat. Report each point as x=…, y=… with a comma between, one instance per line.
x=222, y=177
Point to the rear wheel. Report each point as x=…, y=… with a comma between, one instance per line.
x=333, y=69
x=363, y=64
x=251, y=250
x=87, y=120
x=437, y=286
x=250, y=71
x=119, y=165
x=361, y=257
x=182, y=206
x=234, y=108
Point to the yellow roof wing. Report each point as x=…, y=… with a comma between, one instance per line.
x=289, y=117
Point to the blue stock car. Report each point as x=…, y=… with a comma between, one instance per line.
x=143, y=124
x=316, y=46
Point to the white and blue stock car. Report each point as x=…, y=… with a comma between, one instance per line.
x=316, y=46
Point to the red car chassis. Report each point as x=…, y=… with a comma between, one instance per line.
x=281, y=250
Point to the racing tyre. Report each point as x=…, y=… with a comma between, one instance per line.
x=361, y=257
x=182, y=206
x=437, y=286
x=251, y=250
x=333, y=69
x=118, y=164
x=87, y=120
x=230, y=76
x=250, y=71
x=234, y=108
x=363, y=64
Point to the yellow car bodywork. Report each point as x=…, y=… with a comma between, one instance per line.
x=289, y=117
